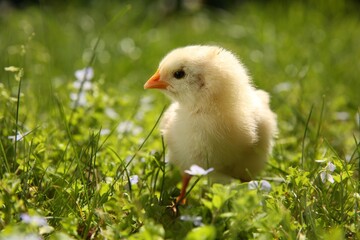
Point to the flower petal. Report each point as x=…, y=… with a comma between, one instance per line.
x=198, y=171
x=209, y=170
x=330, y=178
x=265, y=186
x=323, y=176
x=85, y=85
x=85, y=74
x=253, y=185
x=33, y=220
x=134, y=179
x=330, y=167
x=196, y=220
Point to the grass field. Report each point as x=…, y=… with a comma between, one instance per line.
x=84, y=159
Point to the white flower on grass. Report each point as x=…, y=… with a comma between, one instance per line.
x=33, y=220
x=85, y=74
x=263, y=185
x=111, y=113
x=18, y=137
x=195, y=170
x=196, y=220
x=83, y=84
x=330, y=167
x=325, y=174
x=105, y=131
x=134, y=179
x=80, y=99
x=128, y=127
x=83, y=78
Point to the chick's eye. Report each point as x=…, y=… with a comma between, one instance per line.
x=179, y=74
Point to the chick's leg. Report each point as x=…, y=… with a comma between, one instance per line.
x=185, y=182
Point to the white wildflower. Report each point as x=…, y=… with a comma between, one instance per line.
x=196, y=220
x=263, y=185
x=129, y=127
x=80, y=99
x=85, y=74
x=111, y=113
x=325, y=174
x=105, y=131
x=33, y=220
x=85, y=85
x=18, y=137
x=253, y=185
x=330, y=167
x=125, y=127
x=195, y=170
x=134, y=179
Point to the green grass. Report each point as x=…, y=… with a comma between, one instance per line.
x=74, y=163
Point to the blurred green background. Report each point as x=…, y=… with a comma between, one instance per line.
x=302, y=52
x=311, y=43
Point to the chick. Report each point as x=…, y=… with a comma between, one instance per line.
x=218, y=118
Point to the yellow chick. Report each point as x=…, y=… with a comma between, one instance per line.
x=218, y=118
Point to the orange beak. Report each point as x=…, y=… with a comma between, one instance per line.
x=155, y=82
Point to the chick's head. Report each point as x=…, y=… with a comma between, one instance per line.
x=198, y=74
